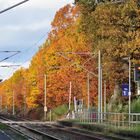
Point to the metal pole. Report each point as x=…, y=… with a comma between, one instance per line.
x=88, y=92
x=129, y=89
x=13, y=103
x=1, y=103
x=105, y=100
x=70, y=97
x=99, y=86
x=50, y=115
x=101, y=96
x=6, y=107
x=75, y=104
x=24, y=102
x=104, y=96
x=45, y=99
x=138, y=88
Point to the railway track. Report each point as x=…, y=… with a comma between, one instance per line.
x=67, y=133
x=28, y=132
x=54, y=132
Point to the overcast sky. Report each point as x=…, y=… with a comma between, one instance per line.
x=24, y=29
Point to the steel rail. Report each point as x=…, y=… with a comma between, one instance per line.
x=86, y=134
x=20, y=127
x=37, y=130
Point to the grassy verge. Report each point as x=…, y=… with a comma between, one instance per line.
x=58, y=112
x=133, y=134
x=3, y=126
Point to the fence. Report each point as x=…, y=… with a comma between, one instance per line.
x=109, y=119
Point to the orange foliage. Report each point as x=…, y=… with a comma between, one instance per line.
x=55, y=60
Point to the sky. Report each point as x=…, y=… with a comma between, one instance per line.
x=24, y=29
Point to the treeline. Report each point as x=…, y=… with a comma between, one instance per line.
x=70, y=53
x=114, y=29
x=63, y=59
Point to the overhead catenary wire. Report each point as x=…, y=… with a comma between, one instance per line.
x=10, y=51
x=11, y=7
x=7, y=9
x=15, y=52
x=6, y=58
x=25, y=51
x=78, y=65
x=31, y=47
x=9, y=66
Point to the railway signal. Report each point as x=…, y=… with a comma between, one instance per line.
x=137, y=73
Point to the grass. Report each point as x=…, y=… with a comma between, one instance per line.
x=91, y=127
x=136, y=106
x=135, y=129
x=3, y=126
x=58, y=112
x=127, y=133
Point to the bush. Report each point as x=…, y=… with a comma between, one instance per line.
x=136, y=106
x=58, y=112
